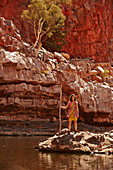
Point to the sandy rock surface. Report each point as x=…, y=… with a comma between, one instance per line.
x=81, y=142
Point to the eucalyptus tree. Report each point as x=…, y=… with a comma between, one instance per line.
x=46, y=17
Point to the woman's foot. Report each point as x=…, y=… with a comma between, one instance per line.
x=75, y=132
x=68, y=132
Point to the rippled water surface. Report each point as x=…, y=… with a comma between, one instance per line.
x=18, y=153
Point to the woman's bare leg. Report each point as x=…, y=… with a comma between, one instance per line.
x=75, y=123
x=69, y=126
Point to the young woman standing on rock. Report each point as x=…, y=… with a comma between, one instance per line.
x=73, y=112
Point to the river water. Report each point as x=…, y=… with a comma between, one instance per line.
x=19, y=153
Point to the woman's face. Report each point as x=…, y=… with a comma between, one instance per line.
x=73, y=98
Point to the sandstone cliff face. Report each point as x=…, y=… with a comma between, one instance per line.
x=30, y=84
x=90, y=29
x=12, y=10
x=89, y=23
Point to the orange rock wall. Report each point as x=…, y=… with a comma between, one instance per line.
x=90, y=29
x=12, y=10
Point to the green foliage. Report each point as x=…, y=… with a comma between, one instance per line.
x=46, y=18
x=57, y=41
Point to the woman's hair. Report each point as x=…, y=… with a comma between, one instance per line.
x=70, y=98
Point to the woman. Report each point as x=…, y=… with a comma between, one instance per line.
x=73, y=112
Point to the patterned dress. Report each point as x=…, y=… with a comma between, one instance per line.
x=73, y=113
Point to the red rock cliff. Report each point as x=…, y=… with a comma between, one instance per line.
x=89, y=23
x=11, y=9
x=90, y=29
x=29, y=85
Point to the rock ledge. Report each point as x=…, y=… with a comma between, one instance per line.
x=81, y=142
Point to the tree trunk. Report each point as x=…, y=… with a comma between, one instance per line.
x=40, y=45
x=36, y=42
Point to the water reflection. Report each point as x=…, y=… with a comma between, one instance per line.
x=18, y=153
x=79, y=162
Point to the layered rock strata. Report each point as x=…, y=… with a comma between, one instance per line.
x=30, y=84
x=29, y=126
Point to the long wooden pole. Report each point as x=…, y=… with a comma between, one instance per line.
x=60, y=122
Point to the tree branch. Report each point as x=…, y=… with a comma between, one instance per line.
x=38, y=38
x=35, y=28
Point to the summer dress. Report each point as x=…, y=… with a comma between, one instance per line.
x=73, y=113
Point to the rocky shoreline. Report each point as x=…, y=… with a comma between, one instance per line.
x=41, y=127
x=83, y=142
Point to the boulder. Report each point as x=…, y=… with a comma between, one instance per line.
x=82, y=142
x=93, y=73
x=96, y=78
x=59, y=57
x=65, y=55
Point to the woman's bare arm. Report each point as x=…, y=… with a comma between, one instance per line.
x=77, y=108
x=77, y=105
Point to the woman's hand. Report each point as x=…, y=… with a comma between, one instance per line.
x=60, y=106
